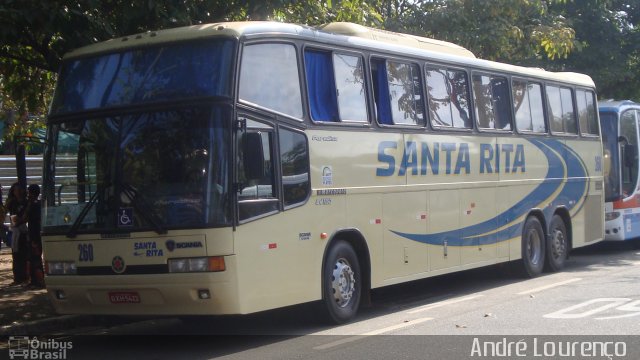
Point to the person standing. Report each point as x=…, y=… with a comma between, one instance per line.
x=17, y=205
x=3, y=229
x=35, y=240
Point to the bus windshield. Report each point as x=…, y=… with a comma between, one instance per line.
x=154, y=170
x=145, y=75
x=609, y=125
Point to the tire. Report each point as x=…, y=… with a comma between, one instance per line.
x=341, y=282
x=533, y=248
x=557, y=245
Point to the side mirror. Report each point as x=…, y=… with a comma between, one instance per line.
x=253, y=156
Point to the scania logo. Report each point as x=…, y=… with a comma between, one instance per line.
x=170, y=244
x=118, y=265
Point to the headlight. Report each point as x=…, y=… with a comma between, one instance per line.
x=198, y=264
x=61, y=268
x=611, y=216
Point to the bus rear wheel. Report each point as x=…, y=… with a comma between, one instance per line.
x=533, y=247
x=342, y=282
x=556, y=244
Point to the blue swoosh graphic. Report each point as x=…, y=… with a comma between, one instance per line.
x=560, y=158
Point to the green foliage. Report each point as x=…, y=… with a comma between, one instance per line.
x=608, y=34
x=597, y=37
x=503, y=30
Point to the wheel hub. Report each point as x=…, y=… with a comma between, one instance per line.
x=558, y=243
x=343, y=283
x=534, y=247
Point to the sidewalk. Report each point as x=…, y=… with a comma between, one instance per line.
x=24, y=311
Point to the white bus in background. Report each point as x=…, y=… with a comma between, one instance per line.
x=619, y=123
x=238, y=167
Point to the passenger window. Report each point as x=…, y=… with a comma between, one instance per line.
x=492, y=98
x=629, y=151
x=397, y=93
x=448, y=98
x=561, y=113
x=335, y=83
x=587, y=112
x=350, y=90
x=294, y=157
x=255, y=169
x=269, y=78
x=528, y=106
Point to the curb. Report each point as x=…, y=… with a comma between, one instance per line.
x=44, y=326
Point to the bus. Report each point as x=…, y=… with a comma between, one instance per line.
x=237, y=167
x=619, y=124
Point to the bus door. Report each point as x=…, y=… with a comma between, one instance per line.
x=630, y=204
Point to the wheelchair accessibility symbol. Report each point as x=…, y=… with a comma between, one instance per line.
x=125, y=217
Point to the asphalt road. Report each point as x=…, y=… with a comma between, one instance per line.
x=463, y=315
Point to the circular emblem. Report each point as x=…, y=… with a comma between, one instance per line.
x=118, y=265
x=170, y=244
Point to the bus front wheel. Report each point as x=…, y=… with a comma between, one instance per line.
x=557, y=244
x=342, y=282
x=533, y=247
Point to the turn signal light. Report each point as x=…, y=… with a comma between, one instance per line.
x=197, y=264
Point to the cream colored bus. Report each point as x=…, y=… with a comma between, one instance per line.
x=238, y=167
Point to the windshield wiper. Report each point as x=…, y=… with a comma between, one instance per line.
x=85, y=210
x=140, y=204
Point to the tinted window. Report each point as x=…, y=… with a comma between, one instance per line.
x=145, y=75
x=269, y=77
x=528, y=106
x=335, y=85
x=448, y=94
x=350, y=90
x=492, y=97
x=629, y=147
x=294, y=156
x=561, y=114
x=397, y=92
x=587, y=113
x=255, y=170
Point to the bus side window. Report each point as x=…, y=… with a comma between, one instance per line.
x=587, y=112
x=294, y=158
x=448, y=96
x=335, y=84
x=561, y=114
x=629, y=149
x=255, y=168
x=397, y=92
x=269, y=78
x=528, y=106
x=492, y=96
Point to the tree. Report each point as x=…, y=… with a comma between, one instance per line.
x=514, y=31
x=608, y=48
x=597, y=37
x=37, y=34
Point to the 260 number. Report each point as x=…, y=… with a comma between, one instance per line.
x=85, y=252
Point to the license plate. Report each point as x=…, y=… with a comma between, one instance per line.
x=124, y=297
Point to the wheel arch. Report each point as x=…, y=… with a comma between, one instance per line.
x=540, y=216
x=357, y=241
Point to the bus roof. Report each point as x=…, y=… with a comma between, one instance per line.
x=339, y=33
x=350, y=29
x=616, y=105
